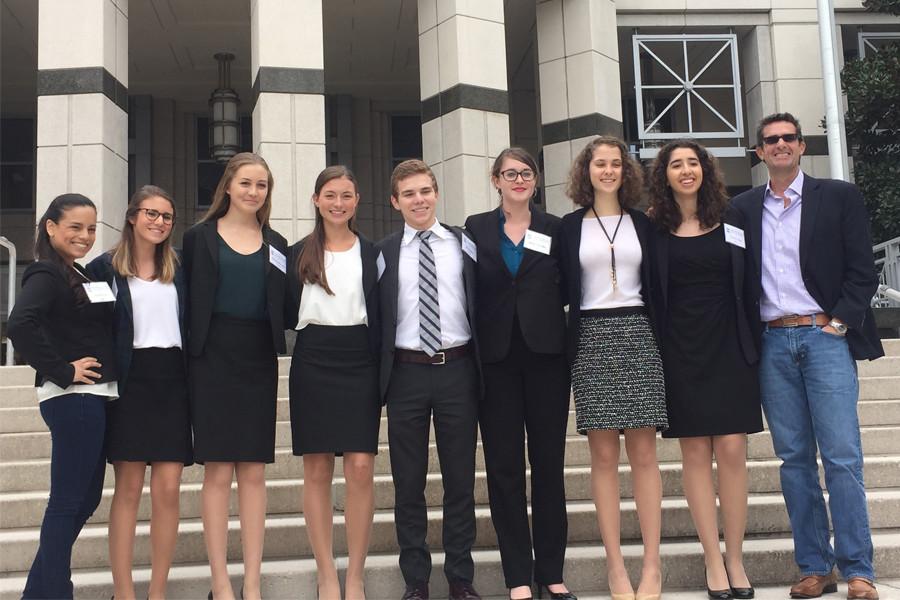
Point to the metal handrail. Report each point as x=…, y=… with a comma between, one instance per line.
x=10, y=293
x=887, y=262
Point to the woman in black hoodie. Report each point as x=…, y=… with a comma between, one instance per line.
x=62, y=326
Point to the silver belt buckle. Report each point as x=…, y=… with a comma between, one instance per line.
x=443, y=358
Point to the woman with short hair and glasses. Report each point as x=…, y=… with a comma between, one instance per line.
x=521, y=325
x=150, y=422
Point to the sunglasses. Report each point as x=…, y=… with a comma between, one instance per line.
x=788, y=138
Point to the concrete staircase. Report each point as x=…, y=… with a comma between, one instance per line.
x=289, y=570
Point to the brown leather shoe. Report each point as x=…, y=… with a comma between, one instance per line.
x=813, y=586
x=859, y=588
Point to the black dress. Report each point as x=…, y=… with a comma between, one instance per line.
x=710, y=387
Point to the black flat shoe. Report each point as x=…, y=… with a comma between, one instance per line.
x=717, y=594
x=554, y=595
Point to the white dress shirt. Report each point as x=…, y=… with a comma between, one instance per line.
x=448, y=260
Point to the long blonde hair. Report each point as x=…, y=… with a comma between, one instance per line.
x=221, y=201
x=165, y=260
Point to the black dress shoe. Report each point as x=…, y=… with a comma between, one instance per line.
x=741, y=593
x=716, y=594
x=463, y=590
x=555, y=595
x=416, y=592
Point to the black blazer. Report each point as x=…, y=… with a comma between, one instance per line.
x=201, y=269
x=836, y=258
x=743, y=299
x=535, y=294
x=369, y=256
x=389, y=288
x=101, y=269
x=570, y=243
x=51, y=326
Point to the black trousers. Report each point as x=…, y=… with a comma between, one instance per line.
x=527, y=392
x=449, y=394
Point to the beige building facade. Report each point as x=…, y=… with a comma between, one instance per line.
x=103, y=96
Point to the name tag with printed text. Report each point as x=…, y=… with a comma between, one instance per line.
x=734, y=235
x=278, y=259
x=99, y=291
x=469, y=247
x=538, y=242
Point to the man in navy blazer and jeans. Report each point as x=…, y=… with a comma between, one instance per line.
x=814, y=277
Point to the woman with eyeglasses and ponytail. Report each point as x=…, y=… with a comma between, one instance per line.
x=522, y=332
x=150, y=422
x=62, y=325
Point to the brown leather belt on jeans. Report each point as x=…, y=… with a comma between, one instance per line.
x=444, y=356
x=800, y=321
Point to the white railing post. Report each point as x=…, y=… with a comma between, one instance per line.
x=10, y=293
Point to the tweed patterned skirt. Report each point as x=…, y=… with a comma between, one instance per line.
x=617, y=377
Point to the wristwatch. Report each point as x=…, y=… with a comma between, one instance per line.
x=839, y=327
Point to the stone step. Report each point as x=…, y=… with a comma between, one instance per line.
x=768, y=560
x=26, y=455
x=286, y=535
x=886, y=366
x=18, y=375
x=25, y=509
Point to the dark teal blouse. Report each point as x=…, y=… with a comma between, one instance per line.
x=512, y=253
x=241, y=291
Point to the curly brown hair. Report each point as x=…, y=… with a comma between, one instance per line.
x=712, y=198
x=581, y=190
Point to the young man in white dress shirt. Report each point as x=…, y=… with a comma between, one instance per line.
x=429, y=370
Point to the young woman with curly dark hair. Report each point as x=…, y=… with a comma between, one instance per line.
x=712, y=389
x=617, y=376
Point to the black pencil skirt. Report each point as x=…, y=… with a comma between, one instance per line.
x=335, y=407
x=234, y=385
x=151, y=420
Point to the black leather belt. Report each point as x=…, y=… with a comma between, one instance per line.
x=440, y=358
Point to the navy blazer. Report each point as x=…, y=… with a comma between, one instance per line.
x=201, y=270
x=101, y=269
x=570, y=234
x=369, y=255
x=836, y=258
x=535, y=294
x=389, y=289
x=743, y=299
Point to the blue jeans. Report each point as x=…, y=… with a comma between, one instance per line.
x=77, y=425
x=809, y=393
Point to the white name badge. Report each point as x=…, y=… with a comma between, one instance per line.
x=469, y=247
x=379, y=262
x=734, y=235
x=277, y=259
x=99, y=291
x=538, y=242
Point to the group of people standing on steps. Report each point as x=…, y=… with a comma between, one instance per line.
x=684, y=320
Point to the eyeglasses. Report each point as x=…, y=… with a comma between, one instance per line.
x=154, y=214
x=788, y=138
x=512, y=174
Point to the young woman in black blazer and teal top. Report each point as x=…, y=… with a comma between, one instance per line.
x=332, y=302
x=526, y=379
x=150, y=422
x=235, y=266
x=705, y=317
x=617, y=376
x=61, y=324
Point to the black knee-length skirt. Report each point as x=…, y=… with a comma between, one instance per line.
x=335, y=405
x=151, y=420
x=234, y=385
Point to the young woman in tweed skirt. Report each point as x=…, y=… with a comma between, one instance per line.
x=617, y=375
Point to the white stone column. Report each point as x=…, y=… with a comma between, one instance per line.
x=783, y=73
x=465, y=102
x=82, y=103
x=581, y=97
x=287, y=72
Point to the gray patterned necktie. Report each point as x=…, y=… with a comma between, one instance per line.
x=429, y=309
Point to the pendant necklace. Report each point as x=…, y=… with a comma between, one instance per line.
x=612, y=249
